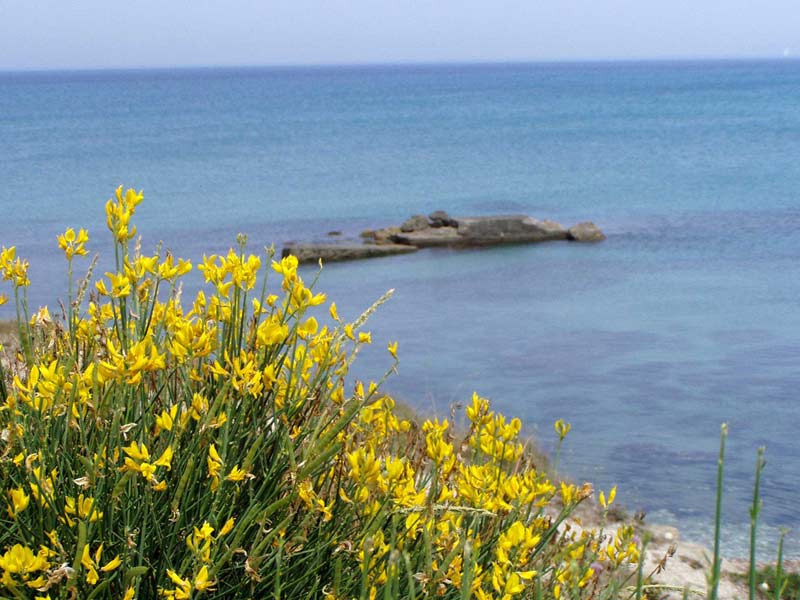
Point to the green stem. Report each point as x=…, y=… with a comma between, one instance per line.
x=779, y=567
x=715, y=569
x=70, y=318
x=640, y=573
x=555, y=459
x=755, y=509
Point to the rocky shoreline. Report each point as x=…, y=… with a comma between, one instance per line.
x=441, y=230
x=677, y=564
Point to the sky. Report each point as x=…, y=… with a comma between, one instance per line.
x=56, y=34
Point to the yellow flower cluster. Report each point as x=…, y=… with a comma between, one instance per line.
x=73, y=244
x=13, y=268
x=119, y=211
x=223, y=449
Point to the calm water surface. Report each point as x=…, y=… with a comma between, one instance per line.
x=686, y=317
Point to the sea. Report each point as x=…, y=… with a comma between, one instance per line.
x=686, y=317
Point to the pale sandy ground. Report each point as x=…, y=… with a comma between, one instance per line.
x=688, y=567
x=690, y=564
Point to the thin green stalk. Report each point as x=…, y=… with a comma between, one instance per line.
x=412, y=586
x=3, y=391
x=365, y=571
x=779, y=584
x=755, y=509
x=22, y=325
x=715, y=568
x=277, y=592
x=640, y=572
x=70, y=311
x=555, y=459
x=468, y=570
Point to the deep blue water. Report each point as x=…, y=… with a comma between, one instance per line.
x=686, y=317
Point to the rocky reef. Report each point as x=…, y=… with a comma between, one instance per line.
x=440, y=229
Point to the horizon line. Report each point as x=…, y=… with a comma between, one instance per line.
x=403, y=63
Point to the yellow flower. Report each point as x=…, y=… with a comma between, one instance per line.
x=83, y=508
x=166, y=419
x=119, y=213
x=138, y=460
x=19, y=501
x=111, y=565
x=120, y=285
x=137, y=452
x=611, y=495
x=21, y=561
x=169, y=270
x=438, y=449
x=478, y=412
x=236, y=474
x=508, y=582
x=214, y=463
x=333, y=311
x=392, y=348
x=165, y=460
x=201, y=581
x=227, y=527
x=568, y=493
x=308, y=328
x=515, y=544
x=72, y=244
x=14, y=269
x=86, y=561
x=365, y=337
x=204, y=533
x=200, y=405
x=562, y=429
x=184, y=587
x=272, y=331
x=287, y=267
x=364, y=467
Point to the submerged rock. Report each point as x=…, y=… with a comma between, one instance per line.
x=585, y=232
x=306, y=253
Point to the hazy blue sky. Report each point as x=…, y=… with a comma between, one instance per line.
x=46, y=34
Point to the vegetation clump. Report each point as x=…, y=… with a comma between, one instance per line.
x=219, y=449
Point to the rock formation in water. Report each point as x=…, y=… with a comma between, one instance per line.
x=440, y=229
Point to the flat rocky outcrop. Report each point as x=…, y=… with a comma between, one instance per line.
x=440, y=229
x=508, y=229
x=346, y=251
x=426, y=238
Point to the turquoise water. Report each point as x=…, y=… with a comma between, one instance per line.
x=687, y=316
